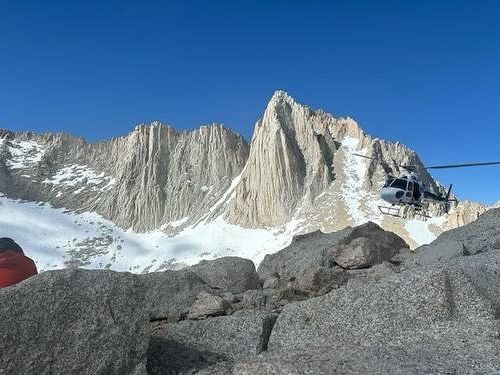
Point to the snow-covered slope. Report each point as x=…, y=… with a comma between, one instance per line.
x=56, y=238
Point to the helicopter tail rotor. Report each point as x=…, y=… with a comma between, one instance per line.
x=447, y=199
x=447, y=204
x=449, y=193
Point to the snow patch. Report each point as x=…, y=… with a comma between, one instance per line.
x=24, y=153
x=419, y=230
x=352, y=187
x=224, y=197
x=362, y=204
x=75, y=175
x=177, y=223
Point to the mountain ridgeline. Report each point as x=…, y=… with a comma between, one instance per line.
x=298, y=172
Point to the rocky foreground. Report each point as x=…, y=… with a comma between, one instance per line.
x=350, y=302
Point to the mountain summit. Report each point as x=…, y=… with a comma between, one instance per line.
x=301, y=168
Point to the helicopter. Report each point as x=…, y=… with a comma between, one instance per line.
x=408, y=190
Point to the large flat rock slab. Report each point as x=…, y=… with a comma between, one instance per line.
x=478, y=237
x=74, y=322
x=454, y=354
x=395, y=307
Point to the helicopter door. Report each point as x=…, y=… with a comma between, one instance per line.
x=416, y=191
x=409, y=190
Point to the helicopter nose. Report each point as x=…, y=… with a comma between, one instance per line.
x=391, y=195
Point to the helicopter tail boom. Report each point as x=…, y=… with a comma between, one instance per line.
x=449, y=193
x=447, y=202
x=443, y=199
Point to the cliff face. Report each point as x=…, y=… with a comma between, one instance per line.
x=298, y=175
x=288, y=159
x=165, y=176
x=301, y=168
x=151, y=177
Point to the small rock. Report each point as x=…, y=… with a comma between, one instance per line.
x=363, y=252
x=207, y=305
x=271, y=283
x=231, y=274
x=253, y=299
x=321, y=279
x=230, y=297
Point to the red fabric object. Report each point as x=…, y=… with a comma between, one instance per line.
x=15, y=267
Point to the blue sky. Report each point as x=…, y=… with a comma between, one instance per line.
x=424, y=73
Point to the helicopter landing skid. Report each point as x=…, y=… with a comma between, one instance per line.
x=391, y=211
x=396, y=211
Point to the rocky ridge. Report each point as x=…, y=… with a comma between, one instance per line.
x=149, y=178
x=297, y=175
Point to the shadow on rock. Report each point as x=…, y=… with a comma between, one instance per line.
x=166, y=356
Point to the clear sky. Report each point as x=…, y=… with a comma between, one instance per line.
x=425, y=73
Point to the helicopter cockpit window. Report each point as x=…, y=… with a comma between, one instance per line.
x=388, y=182
x=399, y=184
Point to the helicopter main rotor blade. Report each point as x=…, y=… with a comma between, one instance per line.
x=366, y=157
x=413, y=167
x=407, y=167
x=463, y=165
